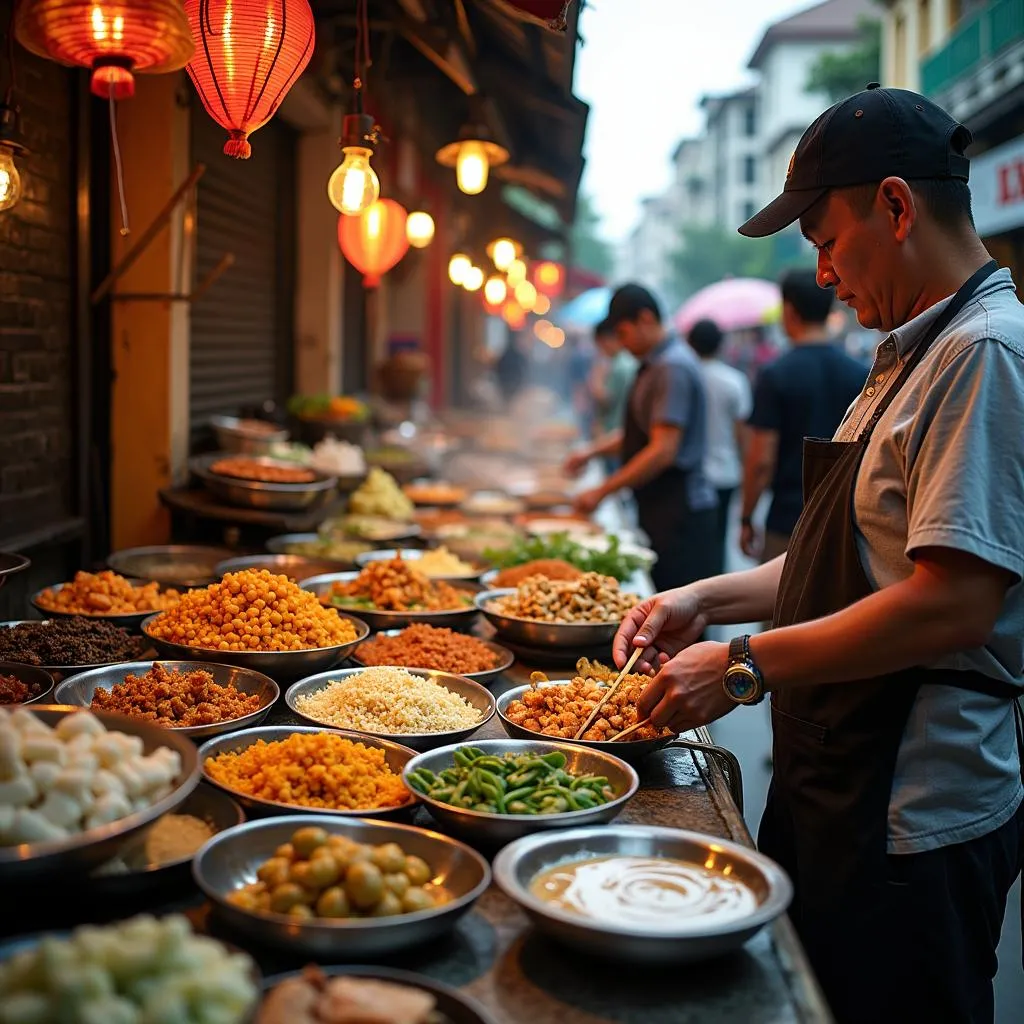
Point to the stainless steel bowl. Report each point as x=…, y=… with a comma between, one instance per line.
x=485, y=678
x=581, y=635
x=130, y=620
x=230, y=860
x=171, y=565
x=414, y=555
x=87, y=850
x=259, y=495
x=11, y=564
x=281, y=545
x=456, y=618
x=395, y=755
x=295, y=567
x=276, y=664
x=493, y=829
x=60, y=671
x=79, y=690
x=692, y=938
x=233, y=437
x=31, y=676
x=477, y=695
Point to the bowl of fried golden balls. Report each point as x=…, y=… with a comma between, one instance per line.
x=106, y=595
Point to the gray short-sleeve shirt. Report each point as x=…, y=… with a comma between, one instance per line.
x=945, y=468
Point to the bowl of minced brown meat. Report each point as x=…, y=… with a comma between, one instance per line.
x=424, y=646
x=276, y=769
x=198, y=699
x=256, y=620
x=23, y=684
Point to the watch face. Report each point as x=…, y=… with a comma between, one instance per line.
x=741, y=683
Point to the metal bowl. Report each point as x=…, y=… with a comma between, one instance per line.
x=126, y=620
x=395, y=755
x=233, y=437
x=87, y=850
x=581, y=635
x=494, y=829
x=31, y=676
x=693, y=938
x=57, y=671
x=295, y=567
x=11, y=564
x=257, y=494
x=79, y=690
x=492, y=503
x=230, y=860
x=276, y=664
x=281, y=545
x=171, y=565
x=477, y=695
x=456, y=618
x=414, y=555
x=132, y=872
x=507, y=658
x=453, y=1005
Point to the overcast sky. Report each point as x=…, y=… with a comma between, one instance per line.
x=643, y=66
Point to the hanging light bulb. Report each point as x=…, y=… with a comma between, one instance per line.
x=474, y=153
x=516, y=272
x=495, y=290
x=354, y=185
x=542, y=305
x=526, y=295
x=503, y=251
x=419, y=229
x=473, y=280
x=458, y=267
x=10, y=147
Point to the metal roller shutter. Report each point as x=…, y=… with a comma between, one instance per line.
x=242, y=336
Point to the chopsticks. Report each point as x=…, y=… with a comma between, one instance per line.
x=611, y=692
x=628, y=732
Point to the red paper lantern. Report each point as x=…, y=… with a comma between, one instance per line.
x=248, y=55
x=547, y=13
x=116, y=38
x=549, y=278
x=374, y=241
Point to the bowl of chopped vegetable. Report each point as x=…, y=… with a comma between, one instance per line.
x=609, y=556
x=499, y=790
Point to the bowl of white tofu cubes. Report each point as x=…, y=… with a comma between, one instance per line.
x=75, y=784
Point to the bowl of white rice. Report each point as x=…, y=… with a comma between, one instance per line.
x=418, y=708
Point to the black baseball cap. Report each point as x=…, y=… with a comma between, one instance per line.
x=628, y=302
x=872, y=135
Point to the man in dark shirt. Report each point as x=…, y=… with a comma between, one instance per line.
x=804, y=393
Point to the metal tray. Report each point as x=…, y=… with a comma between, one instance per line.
x=295, y=567
x=257, y=494
x=11, y=564
x=485, y=678
x=544, y=634
x=171, y=565
x=279, y=546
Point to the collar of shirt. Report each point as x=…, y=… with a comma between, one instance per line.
x=657, y=351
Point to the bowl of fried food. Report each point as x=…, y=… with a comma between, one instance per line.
x=435, y=493
x=23, y=684
x=261, y=483
x=541, y=612
x=392, y=594
x=104, y=595
x=435, y=563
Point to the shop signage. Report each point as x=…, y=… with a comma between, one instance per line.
x=997, y=188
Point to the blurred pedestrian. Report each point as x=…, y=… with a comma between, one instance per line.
x=610, y=380
x=728, y=406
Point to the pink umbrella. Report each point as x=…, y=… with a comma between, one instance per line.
x=733, y=304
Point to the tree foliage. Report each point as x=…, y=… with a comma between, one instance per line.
x=589, y=250
x=841, y=73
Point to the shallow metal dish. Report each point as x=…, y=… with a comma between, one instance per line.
x=483, y=678
x=492, y=504
x=455, y=1007
x=171, y=565
x=230, y=860
x=233, y=437
x=494, y=829
x=276, y=664
x=79, y=690
x=395, y=755
x=130, y=621
x=414, y=555
x=280, y=546
x=87, y=850
x=695, y=938
x=295, y=567
x=60, y=671
x=477, y=695
x=11, y=564
x=205, y=802
x=257, y=494
x=31, y=676
x=456, y=618
x=545, y=634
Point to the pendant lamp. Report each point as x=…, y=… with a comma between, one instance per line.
x=116, y=38
x=473, y=153
x=248, y=55
x=375, y=240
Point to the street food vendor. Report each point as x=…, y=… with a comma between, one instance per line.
x=898, y=643
x=661, y=444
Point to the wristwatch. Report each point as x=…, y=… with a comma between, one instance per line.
x=743, y=681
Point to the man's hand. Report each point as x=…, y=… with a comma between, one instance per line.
x=751, y=542
x=587, y=501
x=664, y=624
x=688, y=690
x=576, y=463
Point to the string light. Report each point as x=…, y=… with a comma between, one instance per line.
x=542, y=305
x=495, y=291
x=503, y=251
x=526, y=295
x=419, y=229
x=458, y=267
x=516, y=272
x=473, y=280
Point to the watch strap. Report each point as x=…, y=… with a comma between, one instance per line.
x=739, y=648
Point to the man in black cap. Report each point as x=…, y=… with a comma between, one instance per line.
x=897, y=655
x=661, y=444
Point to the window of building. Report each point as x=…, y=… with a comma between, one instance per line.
x=924, y=27
x=750, y=121
x=900, y=51
x=749, y=170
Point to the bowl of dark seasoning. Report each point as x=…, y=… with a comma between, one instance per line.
x=62, y=644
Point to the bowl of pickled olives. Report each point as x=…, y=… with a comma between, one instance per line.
x=322, y=885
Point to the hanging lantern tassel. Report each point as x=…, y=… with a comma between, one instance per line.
x=248, y=55
x=374, y=241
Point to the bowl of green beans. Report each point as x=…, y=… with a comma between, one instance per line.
x=495, y=791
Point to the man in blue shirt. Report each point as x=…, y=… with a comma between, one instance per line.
x=661, y=444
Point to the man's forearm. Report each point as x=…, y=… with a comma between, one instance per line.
x=648, y=463
x=747, y=596
x=609, y=444
x=755, y=479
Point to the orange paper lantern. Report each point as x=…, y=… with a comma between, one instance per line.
x=549, y=278
x=374, y=241
x=116, y=38
x=248, y=55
